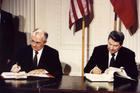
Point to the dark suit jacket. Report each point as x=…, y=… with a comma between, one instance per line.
x=125, y=58
x=6, y=39
x=49, y=60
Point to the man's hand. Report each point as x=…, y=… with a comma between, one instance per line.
x=15, y=68
x=96, y=70
x=38, y=71
x=111, y=70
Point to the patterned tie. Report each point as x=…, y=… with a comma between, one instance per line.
x=35, y=59
x=112, y=60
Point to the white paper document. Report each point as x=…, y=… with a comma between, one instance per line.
x=108, y=75
x=11, y=75
x=99, y=77
x=20, y=75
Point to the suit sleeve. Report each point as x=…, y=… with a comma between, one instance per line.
x=57, y=70
x=91, y=63
x=131, y=67
x=52, y=62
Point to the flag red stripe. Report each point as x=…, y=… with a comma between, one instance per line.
x=73, y=10
x=80, y=5
x=87, y=3
x=74, y=13
x=70, y=22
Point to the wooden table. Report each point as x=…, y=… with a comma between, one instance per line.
x=66, y=84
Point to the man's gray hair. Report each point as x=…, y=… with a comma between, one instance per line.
x=40, y=33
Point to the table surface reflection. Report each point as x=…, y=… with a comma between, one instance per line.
x=66, y=84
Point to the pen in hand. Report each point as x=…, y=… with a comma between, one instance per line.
x=96, y=70
x=16, y=68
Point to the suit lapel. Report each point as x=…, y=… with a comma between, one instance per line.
x=42, y=58
x=106, y=58
x=30, y=54
x=118, y=58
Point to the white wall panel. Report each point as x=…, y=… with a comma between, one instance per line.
x=48, y=17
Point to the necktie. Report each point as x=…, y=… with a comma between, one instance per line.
x=35, y=59
x=112, y=60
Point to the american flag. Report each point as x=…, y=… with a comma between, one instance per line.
x=78, y=9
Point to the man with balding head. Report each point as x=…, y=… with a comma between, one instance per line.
x=47, y=58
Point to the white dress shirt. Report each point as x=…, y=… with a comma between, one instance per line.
x=38, y=55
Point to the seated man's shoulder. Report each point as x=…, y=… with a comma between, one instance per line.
x=6, y=13
x=127, y=50
x=26, y=47
x=101, y=47
x=48, y=48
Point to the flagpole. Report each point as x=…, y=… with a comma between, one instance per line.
x=83, y=45
x=115, y=22
x=120, y=25
x=34, y=14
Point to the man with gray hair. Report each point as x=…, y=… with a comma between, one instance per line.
x=38, y=58
x=113, y=56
